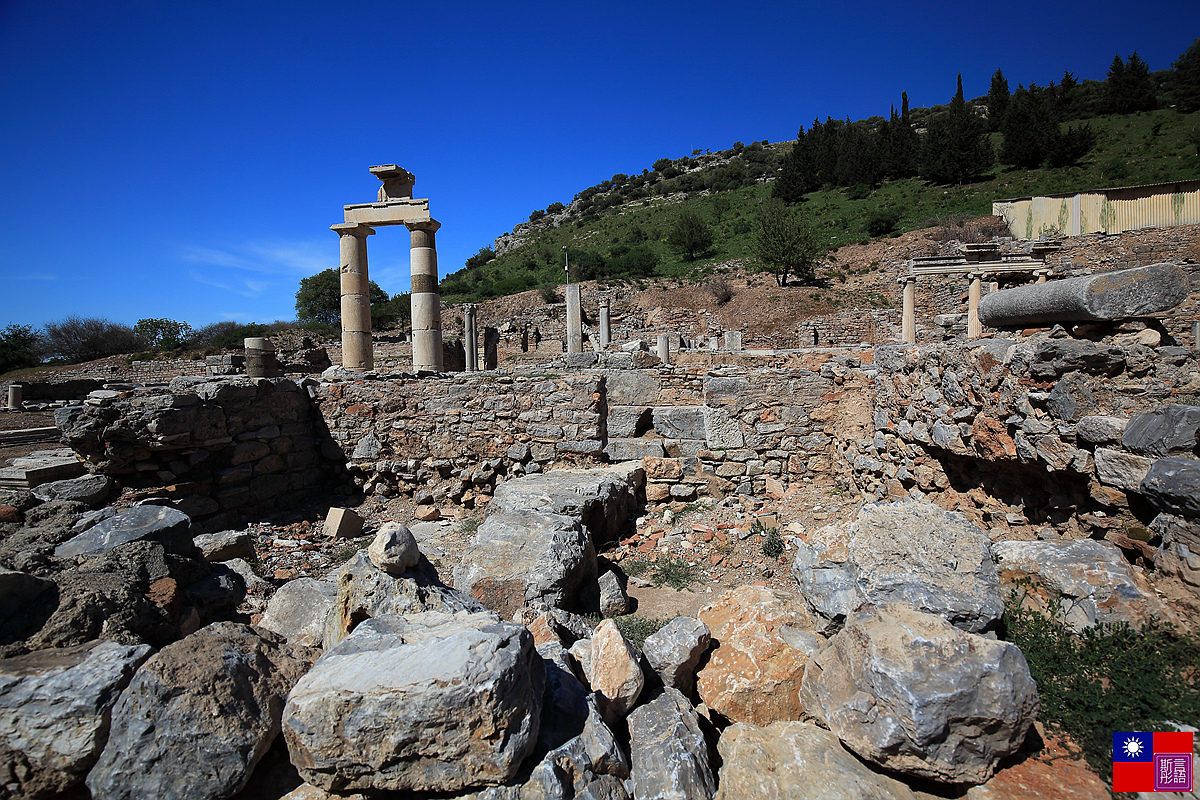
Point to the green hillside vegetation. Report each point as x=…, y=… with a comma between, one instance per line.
x=683, y=218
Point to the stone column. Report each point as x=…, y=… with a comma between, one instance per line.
x=574, y=320
x=605, y=324
x=664, y=349
x=1195, y=343
x=471, y=336
x=908, y=324
x=356, y=296
x=974, y=327
x=426, y=300
x=260, y=357
x=1041, y=276
x=16, y=395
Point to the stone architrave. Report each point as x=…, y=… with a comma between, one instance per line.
x=426, y=299
x=1107, y=296
x=356, y=296
x=574, y=319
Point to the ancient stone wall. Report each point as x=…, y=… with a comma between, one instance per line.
x=220, y=451
x=398, y=433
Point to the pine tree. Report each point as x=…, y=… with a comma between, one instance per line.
x=797, y=175
x=1066, y=96
x=997, y=101
x=1023, y=132
x=956, y=147
x=1183, y=81
x=1129, y=86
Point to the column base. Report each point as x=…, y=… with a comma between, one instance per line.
x=427, y=350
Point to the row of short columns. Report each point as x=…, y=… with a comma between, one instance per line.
x=908, y=320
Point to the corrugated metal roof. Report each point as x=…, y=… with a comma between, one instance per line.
x=1182, y=186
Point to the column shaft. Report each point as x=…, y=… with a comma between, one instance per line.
x=908, y=324
x=574, y=320
x=974, y=327
x=426, y=300
x=605, y=325
x=357, y=354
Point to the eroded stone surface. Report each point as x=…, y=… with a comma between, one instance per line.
x=298, y=611
x=668, y=753
x=614, y=674
x=426, y=702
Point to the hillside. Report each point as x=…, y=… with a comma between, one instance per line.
x=616, y=231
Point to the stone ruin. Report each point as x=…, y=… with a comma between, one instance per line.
x=1065, y=458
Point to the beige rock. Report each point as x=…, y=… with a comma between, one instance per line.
x=662, y=469
x=428, y=513
x=394, y=549
x=775, y=489
x=658, y=492
x=615, y=674
x=752, y=674
x=797, y=760
x=342, y=523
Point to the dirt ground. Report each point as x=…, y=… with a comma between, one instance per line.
x=19, y=420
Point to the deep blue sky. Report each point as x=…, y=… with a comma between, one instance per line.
x=185, y=159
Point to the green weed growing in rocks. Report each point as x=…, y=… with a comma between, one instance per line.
x=1110, y=677
x=636, y=629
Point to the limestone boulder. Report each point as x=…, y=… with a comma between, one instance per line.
x=198, y=716
x=906, y=552
x=364, y=591
x=161, y=524
x=800, y=760
x=425, y=702
x=668, y=752
x=225, y=545
x=674, y=652
x=520, y=558
x=588, y=756
x=1056, y=357
x=1168, y=431
x=298, y=611
x=614, y=602
x=614, y=672
x=914, y=694
x=394, y=549
x=1121, y=468
x=1089, y=581
x=752, y=674
x=55, y=708
x=91, y=490
x=601, y=500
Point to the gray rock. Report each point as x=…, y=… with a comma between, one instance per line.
x=635, y=387
x=298, y=611
x=594, y=752
x=225, y=545
x=721, y=430
x=1100, y=430
x=628, y=421
x=365, y=591
x=1088, y=580
x=1055, y=357
x=28, y=601
x=55, y=707
x=1105, y=296
x=602, y=500
x=1168, y=431
x=613, y=600
x=893, y=358
x=1121, y=469
x=197, y=716
x=427, y=702
x=1069, y=398
x=91, y=490
x=394, y=549
x=1179, y=554
x=668, y=752
x=913, y=694
x=604, y=787
x=218, y=594
x=529, y=558
x=141, y=523
x=1173, y=485
x=633, y=449
x=797, y=760
x=674, y=652
x=679, y=422
x=368, y=448
x=907, y=552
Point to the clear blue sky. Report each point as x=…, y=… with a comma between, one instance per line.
x=185, y=159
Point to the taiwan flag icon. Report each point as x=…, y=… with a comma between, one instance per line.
x=1152, y=762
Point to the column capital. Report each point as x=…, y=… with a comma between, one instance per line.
x=352, y=229
x=906, y=279
x=430, y=225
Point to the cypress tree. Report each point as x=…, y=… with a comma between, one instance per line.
x=797, y=176
x=997, y=100
x=956, y=147
x=1183, y=81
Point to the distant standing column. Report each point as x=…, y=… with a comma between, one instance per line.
x=16, y=393
x=574, y=320
x=733, y=340
x=471, y=333
x=1195, y=339
x=605, y=324
x=908, y=324
x=426, y=301
x=664, y=349
x=974, y=327
x=356, y=296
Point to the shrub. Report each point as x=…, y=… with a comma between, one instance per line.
x=772, y=546
x=1108, y=678
x=555, y=208
x=690, y=235
x=637, y=629
x=164, y=334
x=484, y=255
x=882, y=221
x=548, y=293
x=721, y=291
x=674, y=572
x=80, y=339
